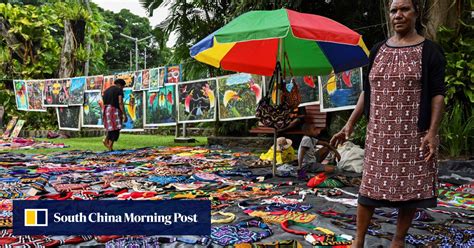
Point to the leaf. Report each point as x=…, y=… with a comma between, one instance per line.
x=470, y=95
x=25, y=21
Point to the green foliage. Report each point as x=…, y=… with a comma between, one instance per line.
x=360, y=131
x=32, y=48
x=457, y=132
x=119, y=48
x=459, y=53
x=31, y=51
x=457, y=126
x=235, y=128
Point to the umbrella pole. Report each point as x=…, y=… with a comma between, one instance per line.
x=274, y=151
x=280, y=48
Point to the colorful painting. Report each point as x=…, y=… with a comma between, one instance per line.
x=21, y=94
x=239, y=95
x=197, y=101
x=137, y=85
x=69, y=118
x=108, y=81
x=76, y=91
x=157, y=78
x=160, y=108
x=92, y=109
x=94, y=82
x=8, y=130
x=340, y=91
x=16, y=131
x=173, y=74
x=309, y=89
x=35, y=95
x=145, y=79
x=129, y=78
x=35, y=90
x=154, y=77
x=133, y=104
x=56, y=93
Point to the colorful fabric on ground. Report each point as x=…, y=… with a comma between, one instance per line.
x=240, y=233
x=21, y=143
x=182, y=173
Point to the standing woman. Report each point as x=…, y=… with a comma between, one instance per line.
x=403, y=99
x=114, y=113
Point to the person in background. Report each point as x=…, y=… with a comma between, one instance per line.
x=403, y=98
x=113, y=113
x=310, y=157
x=285, y=152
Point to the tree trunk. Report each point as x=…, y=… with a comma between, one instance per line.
x=13, y=43
x=88, y=44
x=67, y=60
x=441, y=13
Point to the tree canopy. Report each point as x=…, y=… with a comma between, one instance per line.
x=119, y=48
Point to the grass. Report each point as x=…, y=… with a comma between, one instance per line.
x=126, y=141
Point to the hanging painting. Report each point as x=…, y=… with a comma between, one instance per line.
x=55, y=93
x=340, y=91
x=154, y=77
x=239, y=95
x=16, y=131
x=9, y=128
x=197, y=102
x=76, y=91
x=308, y=88
x=94, y=82
x=138, y=80
x=35, y=95
x=173, y=74
x=21, y=92
x=108, y=81
x=129, y=78
x=161, y=76
x=92, y=109
x=160, y=108
x=69, y=118
x=133, y=104
x=145, y=79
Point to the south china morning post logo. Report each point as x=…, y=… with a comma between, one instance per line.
x=36, y=217
x=112, y=217
x=104, y=217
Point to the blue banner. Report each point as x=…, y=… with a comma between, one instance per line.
x=112, y=217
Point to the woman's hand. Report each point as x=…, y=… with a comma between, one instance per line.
x=429, y=144
x=343, y=135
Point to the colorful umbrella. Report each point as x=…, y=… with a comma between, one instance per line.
x=254, y=41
